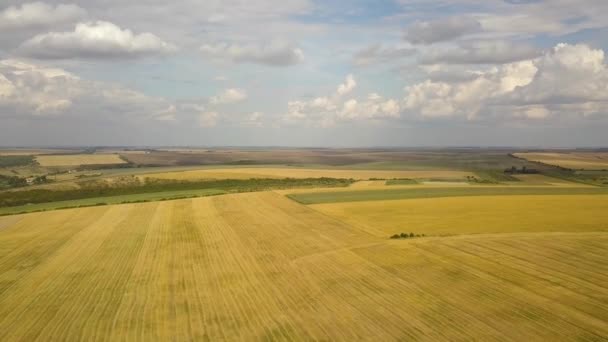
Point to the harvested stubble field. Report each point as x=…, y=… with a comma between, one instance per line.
x=262, y=172
x=79, y=159
x=258, y=266
x=569, y=160
x=475, y=214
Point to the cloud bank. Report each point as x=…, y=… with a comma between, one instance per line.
x=272, y=54
x=38, y=15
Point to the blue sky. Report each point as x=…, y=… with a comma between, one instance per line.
x=304, y=73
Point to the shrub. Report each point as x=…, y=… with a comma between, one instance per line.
x=406, y=236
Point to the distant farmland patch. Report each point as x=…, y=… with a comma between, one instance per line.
x=79, y=159
x=31, y=152
x=570, y=160
x=246, y=173
x=401, y=182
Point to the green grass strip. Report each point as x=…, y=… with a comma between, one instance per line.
x=395, y=194
x=89, y=202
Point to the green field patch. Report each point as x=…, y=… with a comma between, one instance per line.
x=44, y=199
x=96, y=201
x=395, y=194
x=401, y=182
x=494, y=176
x=12, y=161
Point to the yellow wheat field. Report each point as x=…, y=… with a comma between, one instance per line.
x=27, y=151
x=476, y=214
x=570, y=160
x=247, y=173
x=259, y=266
x=79, y=159
x=368, y=184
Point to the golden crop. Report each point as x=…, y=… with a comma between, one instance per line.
x=476, y=214
x=258, y=266
x=79, y=159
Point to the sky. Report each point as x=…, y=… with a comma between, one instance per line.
x=304, y=73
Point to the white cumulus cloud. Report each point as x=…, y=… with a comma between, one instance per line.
x=232, y=95
x=98, y=39
x=326, y=111
x=208, y=119
x=373, y=107
x=28, y=90
x=566, y=80
x=347, y=86
x=254, y=119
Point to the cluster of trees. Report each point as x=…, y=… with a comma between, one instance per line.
x=40, y=180
x=474, y=179
x=524, y=170
x=406, y=236
x=7, y=182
